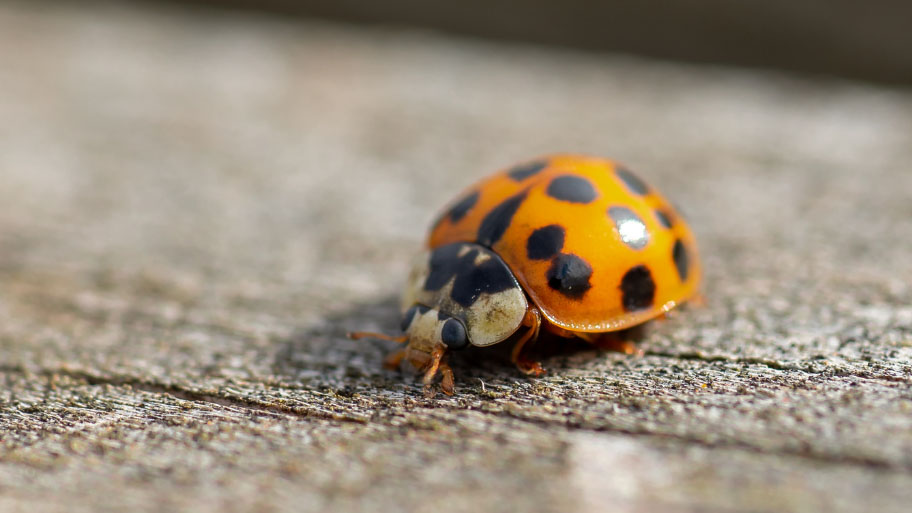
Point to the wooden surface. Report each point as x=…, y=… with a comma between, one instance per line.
x=197, y=206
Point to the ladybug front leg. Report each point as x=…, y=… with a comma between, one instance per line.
x=392, y=360
x=435, y=365
x=447, y=380
x=527, y=366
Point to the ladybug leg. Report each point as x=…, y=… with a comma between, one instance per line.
x=611, y=341
x=533, y=321
x=437, y=364
x=447, y=381
x=394, y=359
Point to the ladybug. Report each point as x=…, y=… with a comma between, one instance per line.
x=576, y=245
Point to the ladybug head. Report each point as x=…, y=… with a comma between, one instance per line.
x=427, y=329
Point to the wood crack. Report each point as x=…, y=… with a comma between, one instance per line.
x=309, y=411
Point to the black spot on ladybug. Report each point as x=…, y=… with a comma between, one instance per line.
x=572, y=189
x=471, y=279
x=679, y=254
x=638, y=289
x=522, y=171
x=409, y=316
x=444, y=264
x=663, y=218
x=498, y=220
x=630, y=227
x=489, y=277
x=545, y=242
x=633, y=183
x=462, y=208
x=453, y=334
x=569, y=275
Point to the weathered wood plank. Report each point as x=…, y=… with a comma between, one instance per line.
x=197, y=208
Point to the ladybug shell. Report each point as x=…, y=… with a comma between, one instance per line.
x=594, y=247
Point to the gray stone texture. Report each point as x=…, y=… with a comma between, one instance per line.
x=198, y=205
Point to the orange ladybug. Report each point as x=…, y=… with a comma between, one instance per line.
x=576, y=245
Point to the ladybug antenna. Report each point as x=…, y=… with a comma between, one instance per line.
x=358, y=335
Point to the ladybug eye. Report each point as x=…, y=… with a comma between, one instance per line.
x=453, y=334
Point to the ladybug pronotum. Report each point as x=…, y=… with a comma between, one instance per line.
x=574, y=245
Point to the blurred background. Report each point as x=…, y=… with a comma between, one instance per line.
x=865, y=40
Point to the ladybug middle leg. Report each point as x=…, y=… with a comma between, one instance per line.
x=527, y=366
x=394, y=359
x=615, y=341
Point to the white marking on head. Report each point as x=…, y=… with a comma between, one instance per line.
x=424, y=331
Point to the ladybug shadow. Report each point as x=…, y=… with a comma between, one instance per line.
x=324, y=355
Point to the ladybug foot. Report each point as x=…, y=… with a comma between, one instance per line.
x=447, y=381
x=530, y=368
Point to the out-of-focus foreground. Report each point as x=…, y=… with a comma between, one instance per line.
x=196, y=206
